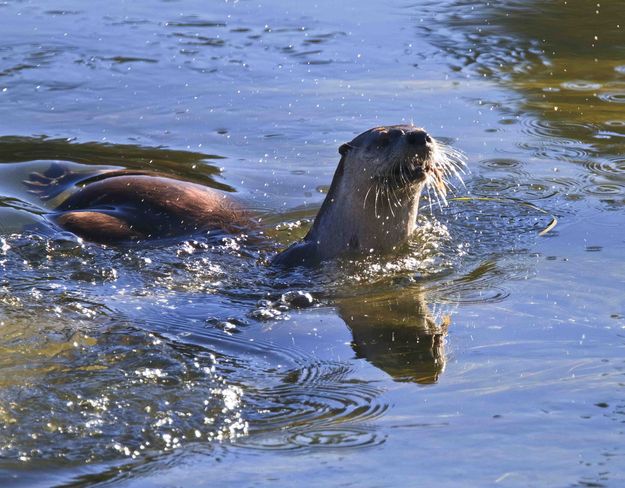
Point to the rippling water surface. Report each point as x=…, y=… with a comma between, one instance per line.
x=489, y=351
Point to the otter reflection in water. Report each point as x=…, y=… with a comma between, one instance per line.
x=397, y=334
x=371, y=206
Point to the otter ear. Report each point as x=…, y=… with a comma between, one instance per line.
x=344, y=148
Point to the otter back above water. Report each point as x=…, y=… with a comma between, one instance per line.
x=126, y=205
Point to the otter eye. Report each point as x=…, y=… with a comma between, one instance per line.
x=344, y=148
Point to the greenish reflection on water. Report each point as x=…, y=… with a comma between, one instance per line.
x=565, y=63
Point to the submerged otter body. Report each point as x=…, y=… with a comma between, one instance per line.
x=371, y=205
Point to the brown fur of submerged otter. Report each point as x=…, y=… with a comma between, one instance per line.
x=148, y=206
x=126, y=205
x=373, y=200
x=371, y=205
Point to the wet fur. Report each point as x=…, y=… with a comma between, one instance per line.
x=125, y=205
x=373, y=200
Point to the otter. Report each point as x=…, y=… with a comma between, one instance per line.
x=371, y=205
x=115, y=206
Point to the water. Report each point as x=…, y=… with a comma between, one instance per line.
x=482, y=354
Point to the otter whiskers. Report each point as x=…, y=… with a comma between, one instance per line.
x=448, y=164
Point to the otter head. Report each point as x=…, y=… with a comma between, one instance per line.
x=398, y=154
x=374, y=196
x=395, y=157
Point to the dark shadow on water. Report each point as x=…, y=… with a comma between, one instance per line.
x=189, y=165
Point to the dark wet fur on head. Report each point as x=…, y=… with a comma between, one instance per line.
x=435, y=163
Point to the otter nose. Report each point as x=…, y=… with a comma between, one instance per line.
x=418, y=137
